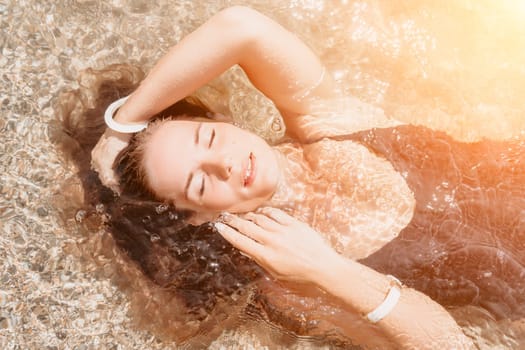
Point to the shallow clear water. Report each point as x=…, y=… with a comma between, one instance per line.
x=455, y=65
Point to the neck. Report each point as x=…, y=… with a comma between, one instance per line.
x=292, y=186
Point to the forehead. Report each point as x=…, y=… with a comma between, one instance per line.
x=168, y=157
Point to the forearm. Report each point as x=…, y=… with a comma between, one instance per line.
x=277, y=62
x=416, y=322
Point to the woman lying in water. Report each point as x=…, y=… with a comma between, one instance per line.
x=355, y=199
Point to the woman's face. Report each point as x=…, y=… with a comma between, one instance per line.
x=210, y=166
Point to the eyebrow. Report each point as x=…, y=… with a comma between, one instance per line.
x=190, y=177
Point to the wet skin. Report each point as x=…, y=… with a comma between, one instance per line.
x=210, y=166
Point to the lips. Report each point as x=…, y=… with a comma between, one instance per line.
x=249, y=174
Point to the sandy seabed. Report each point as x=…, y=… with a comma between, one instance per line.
x=52, y=295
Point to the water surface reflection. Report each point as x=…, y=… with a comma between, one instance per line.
x=455, y=66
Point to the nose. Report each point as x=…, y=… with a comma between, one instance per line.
x=218, y=165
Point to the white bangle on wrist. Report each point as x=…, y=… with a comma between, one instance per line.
x=114, y=125
x=389, y=303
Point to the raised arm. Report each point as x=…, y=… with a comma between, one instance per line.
x=276, y=62
x=291, y=250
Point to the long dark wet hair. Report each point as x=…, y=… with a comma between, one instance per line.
x=464, y=246
x=192, y=264
x=199, y=284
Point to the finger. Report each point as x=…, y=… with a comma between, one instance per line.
x=110, y=181
x=116, y=189
x=278, y=215
x=245, y=227
x=245, y=244
x=106, y=179
x=263, y=221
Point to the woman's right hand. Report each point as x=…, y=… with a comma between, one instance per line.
x=104, y=154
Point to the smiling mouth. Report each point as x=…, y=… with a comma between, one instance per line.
x=249, y=174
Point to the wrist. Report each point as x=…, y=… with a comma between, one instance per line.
x=127, y=115
x=124, y=137
x=139, y=105
x=329, y=270
x=115, y=125
x=358, y=285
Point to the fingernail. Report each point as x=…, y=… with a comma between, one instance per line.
x=245, y=255
x=219, y=226
x=225, y=217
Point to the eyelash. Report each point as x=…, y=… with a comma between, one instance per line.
x=212, y=138
x=201, y=191
x=203, y=182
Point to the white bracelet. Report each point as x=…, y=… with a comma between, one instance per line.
x=123, y=128
x=389, y=303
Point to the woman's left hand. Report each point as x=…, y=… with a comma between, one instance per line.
x=286, y=247
x=104, y=154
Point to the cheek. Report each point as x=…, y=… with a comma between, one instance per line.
x=219, y=198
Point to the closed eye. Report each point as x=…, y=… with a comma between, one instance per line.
x=212, y=137
x=203, y=183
